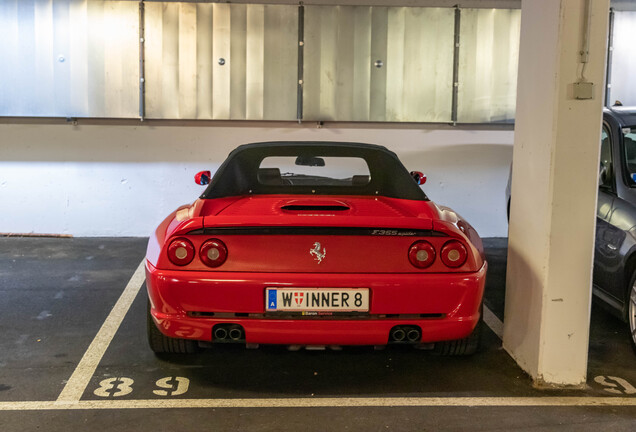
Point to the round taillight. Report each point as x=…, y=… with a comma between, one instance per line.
x=213, y=253
x=181, y=252
x=453, y=254
x=422, y=254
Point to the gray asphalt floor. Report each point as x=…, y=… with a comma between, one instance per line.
x=56, y=293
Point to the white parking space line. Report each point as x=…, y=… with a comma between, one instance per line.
x=69, y=398
x=493, y=322
x=550, y=401
x=84, y=371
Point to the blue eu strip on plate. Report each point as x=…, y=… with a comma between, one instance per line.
x=271, y=299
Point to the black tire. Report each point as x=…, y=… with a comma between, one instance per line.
x=162, y=344
x=630, y=309
x=462, y=347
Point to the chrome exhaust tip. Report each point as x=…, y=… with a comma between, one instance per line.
x=413, y=335
x=220, y=333
x=398, y=335
x=236, y=333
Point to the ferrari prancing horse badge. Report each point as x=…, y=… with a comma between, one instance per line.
x=318, y=255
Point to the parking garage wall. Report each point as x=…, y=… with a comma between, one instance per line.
x=122, y=180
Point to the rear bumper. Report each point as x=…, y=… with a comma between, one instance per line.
x=174, y=295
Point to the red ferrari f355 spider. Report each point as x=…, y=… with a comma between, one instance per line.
x=314, y=244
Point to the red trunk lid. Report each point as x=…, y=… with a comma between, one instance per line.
x=320, y=234
x=277, y=210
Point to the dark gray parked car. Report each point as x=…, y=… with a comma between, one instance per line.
x=615, y=248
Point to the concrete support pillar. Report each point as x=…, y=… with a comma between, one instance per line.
x=554, y=188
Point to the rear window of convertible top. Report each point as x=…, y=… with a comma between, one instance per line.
x=313, y=171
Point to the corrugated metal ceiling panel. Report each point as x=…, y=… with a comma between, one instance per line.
x=221, y=61
x=69, y=58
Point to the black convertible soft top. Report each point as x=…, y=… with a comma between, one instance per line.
x=238, y=174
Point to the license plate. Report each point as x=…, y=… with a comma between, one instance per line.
x=317, y=300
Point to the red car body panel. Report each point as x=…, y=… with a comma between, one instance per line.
x=366, y=240
x=265, y=211
x=449, y=314
x=182, y=296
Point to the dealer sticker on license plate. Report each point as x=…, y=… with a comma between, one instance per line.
x=317, y=300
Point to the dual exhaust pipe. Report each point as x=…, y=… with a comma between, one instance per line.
x=234, y=333
x=405, y=334
x=228, y=333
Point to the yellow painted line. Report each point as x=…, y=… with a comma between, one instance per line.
x=321, y=403
x=84, y=371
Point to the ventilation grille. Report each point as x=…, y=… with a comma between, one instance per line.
x=298, y=207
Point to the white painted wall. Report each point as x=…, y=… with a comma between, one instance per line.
x=122, y=180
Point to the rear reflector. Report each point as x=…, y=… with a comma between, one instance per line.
x=422, y=254
x=213, y=253
x=453, y=254
x=181, y=252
